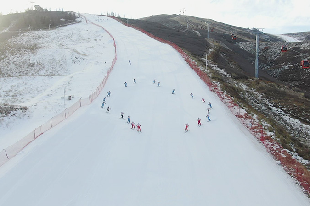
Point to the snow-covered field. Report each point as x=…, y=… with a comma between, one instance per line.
x=69, y=61
x=95, y=158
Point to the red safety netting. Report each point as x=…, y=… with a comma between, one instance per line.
x=14, y=149
x=290, y=165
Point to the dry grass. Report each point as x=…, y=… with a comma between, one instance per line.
x=6, y=109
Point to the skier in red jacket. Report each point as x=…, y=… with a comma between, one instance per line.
x=133, y=125
x=139, y=127
x=199, y=121
x=186, y=127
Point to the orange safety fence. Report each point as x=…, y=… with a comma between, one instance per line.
x=13, y=150
x=281, y=155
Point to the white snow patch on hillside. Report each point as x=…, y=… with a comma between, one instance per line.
x=287, y=38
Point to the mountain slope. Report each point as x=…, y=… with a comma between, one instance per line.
x=95, y=158
x=280, y=97
x=233, y=55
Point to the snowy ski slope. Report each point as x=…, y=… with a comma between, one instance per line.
x=95, y=158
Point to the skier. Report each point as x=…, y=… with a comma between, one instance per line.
x=210, y=105
x=102, y=105
x=199, y=121
x=154, y=81
x=125, y=84
x=208, y=110
x=122, y=115
x=158, y=84
x=186, y=127
x=103, y=99
x=139, y=127
x=109, y=94
x=203, y=100
x=173, y=91
x=108, y=109
x=128, y=119
x=134, y=80
x=133, y=125
x=129, y=62
x=208, y=118
x=192, y=95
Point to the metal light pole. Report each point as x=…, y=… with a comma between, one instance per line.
x=207, y=52
x=257, y=31
x=206, y=60
x=65, y=96
x=256, y=58
x=208, y=29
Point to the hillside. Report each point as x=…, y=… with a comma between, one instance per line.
x=301, y=36
x=220, y=37
x=40, y=69
x=241, y=51
x=16, y=55
x=280, y=97
x=95, y=158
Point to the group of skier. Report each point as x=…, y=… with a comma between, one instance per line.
x=198, y=120
x=125, y=83
x=133, y=125
x=138, y=126
x=158, y=83
x=104, y=101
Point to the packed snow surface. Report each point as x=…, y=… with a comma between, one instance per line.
x=95, y=158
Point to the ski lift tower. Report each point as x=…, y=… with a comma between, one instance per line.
x=257, y=31
x=182, y=12
x=32, y=4
x=207, y=52
x=208, y=28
